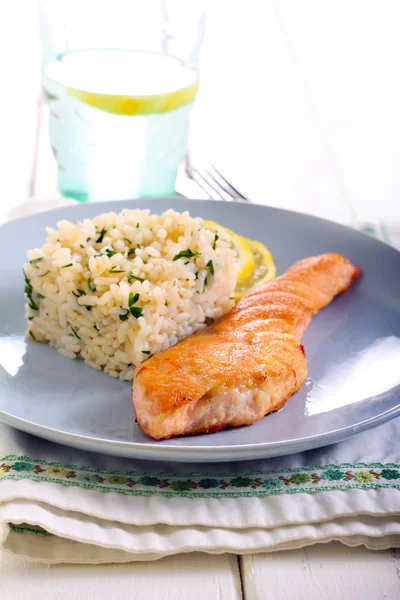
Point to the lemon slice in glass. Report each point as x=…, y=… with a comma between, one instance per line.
x=136, y=105
x=125, y=82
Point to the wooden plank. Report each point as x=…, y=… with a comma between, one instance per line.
x=20, y=71
x=322, y=572
x=253, y=118
x=348, y=54
x=195, y=576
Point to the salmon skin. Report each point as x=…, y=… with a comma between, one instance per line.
x=245, y=365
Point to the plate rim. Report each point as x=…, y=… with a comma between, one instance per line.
x=63, y=209
x=232, y=452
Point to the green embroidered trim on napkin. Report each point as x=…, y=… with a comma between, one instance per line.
x=27, y=529
x=206, y=485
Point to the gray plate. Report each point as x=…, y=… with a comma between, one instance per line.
x=353, y=349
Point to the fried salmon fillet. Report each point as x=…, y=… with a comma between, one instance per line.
x=245, y=365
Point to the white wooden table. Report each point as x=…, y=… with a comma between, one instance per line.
x=299, y=107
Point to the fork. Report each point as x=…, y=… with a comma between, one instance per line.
x=213, y=183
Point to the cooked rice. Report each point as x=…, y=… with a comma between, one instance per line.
x=113, y=291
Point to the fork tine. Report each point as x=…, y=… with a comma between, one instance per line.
x=199, y=178
x=221, y=186
x=193, y=174
x=225, y=183
x=213, y=183
x=207, y=183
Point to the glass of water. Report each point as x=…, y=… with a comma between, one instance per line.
x=120, y=96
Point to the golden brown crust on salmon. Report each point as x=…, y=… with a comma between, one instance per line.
x=245, y=365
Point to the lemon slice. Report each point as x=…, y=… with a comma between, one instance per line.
x=264, y=270
x=254, y=265
x=245, y=260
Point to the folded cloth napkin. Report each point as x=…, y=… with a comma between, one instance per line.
x=59, y=504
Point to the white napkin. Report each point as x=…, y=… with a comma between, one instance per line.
x=58, y=504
